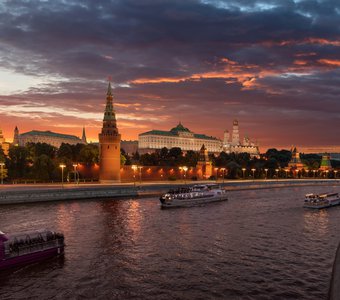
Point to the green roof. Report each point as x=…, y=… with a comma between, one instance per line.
x=174, y=134
x=180, y=127
x=51, y=134
x=159, y=132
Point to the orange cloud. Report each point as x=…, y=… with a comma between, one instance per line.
x=300, y=62
x=330, y=62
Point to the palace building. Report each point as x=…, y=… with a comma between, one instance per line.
x=185, y=139
x=178, y=136
x=48, y=137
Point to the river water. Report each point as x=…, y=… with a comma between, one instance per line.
x=261, y=244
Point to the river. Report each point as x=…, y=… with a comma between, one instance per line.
x=261, y=244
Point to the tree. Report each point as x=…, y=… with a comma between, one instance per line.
x=43, y=168
x=18, y=162
x=89, y=154
x=175, y=156
x=65, y=152
x=2, y=155
x=191, y=158
x=38, y=149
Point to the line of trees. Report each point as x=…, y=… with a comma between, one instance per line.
x=41, y=161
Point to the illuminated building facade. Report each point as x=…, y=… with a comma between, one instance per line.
x=235, y=145
x=178, y=136
x=48, y=137
x=109, y=144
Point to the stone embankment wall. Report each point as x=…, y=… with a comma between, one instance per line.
x=43, y=195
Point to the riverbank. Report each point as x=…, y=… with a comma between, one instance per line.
x=15, y=194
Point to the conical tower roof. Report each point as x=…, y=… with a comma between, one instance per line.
x=109, y=121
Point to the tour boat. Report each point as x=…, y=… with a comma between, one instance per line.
x=195, y=195
x=29, y=247
x=321, y=200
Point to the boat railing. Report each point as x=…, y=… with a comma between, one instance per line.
x=25, y=247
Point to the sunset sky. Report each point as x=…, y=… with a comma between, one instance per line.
x=274, y=65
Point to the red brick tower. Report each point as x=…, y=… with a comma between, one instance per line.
x=109, y=143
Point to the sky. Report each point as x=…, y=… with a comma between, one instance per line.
x=273, y=65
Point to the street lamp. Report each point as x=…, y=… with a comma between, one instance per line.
x=185, y=169
x=222, y=169
x=266, y=170
x=253, y=170
x=62, y=166
x=140, y=174
x=2, y=172
x=134, y=168
x=335, y=171
x=327, y=173
x=75, y=173
x=286, y=170
x=244, y=171
x=277, y=174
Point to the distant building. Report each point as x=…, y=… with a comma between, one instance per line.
x=48, y=137
x=3, y=144
x=178, y=136
x=295, y=162
x=129, y=147
x=185, y=139
x=236, y=146
x=325, y=164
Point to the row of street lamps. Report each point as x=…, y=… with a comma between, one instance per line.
x=182, y=168
x=76, y=180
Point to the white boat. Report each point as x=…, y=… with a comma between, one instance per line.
x=195, y=195
x=321, y=200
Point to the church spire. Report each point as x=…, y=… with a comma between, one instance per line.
x=83, y=138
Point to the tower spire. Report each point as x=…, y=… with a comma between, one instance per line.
x=109, y=89
x=109, y=122
x=83, y=138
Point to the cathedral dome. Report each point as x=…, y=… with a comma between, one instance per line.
x=179, y=127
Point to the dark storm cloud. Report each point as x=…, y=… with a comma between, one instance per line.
x=180, y=36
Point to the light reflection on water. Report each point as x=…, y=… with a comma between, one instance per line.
x=258, y=245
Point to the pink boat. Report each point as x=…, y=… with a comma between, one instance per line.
x=29, y=247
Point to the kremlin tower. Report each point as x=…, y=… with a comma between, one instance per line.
x=204, y=163
x=109, y=144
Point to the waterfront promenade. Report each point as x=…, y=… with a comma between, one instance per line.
x=31, y=193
